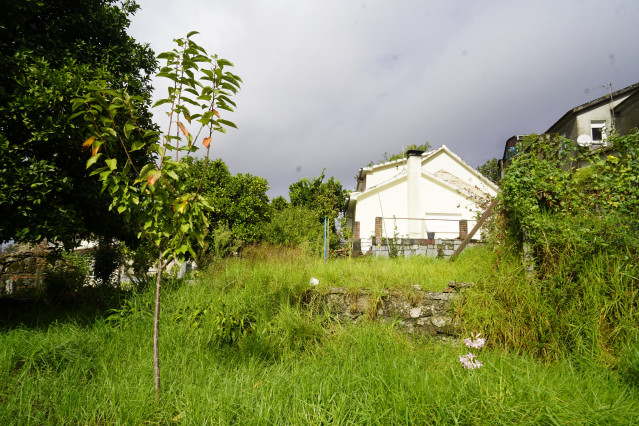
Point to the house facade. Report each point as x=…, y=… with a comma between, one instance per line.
x=425, y=196
x=590, y=124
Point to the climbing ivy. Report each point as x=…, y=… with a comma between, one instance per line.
x=571, y=202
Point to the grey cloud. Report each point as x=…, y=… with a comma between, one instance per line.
x=334, y=84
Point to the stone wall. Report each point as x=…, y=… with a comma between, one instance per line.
x=21, y=273
x=417, y=311
x=404, y=247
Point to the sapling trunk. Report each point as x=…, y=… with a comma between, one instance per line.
x=156, y=328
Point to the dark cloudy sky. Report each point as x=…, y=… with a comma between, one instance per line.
x=336, y=83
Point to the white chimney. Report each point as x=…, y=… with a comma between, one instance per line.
x=414, y=170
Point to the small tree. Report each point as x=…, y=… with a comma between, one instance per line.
x=490, y=169
x=150, y=193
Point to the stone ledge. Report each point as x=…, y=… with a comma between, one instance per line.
x=422, y=312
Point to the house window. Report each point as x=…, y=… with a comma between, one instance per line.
x=598, y=129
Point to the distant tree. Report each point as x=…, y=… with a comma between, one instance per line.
x=324, y=198
x=278, y=203
x=295, y=225
x=49, y=51
x=239, y=202
x=386, y=158
x=490, y=169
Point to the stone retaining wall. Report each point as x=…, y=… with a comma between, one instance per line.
x=21, y=273
x=418, y=311
x=404, y=247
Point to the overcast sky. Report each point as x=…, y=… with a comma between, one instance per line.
x=337, y=83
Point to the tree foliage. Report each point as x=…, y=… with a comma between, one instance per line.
x=392, y=157
x=169, y=213
x=324, y=198
x=49, y=50
x=238, y=202
x=572, y=203
x=490, y=169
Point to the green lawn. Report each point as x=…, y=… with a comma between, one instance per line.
x=289, y=366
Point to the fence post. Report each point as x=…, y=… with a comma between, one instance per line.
x=325, y=227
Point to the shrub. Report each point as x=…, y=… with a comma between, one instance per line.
x=65, y=277
x=295, y=225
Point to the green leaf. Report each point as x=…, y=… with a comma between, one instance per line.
x=93, y=159
x=228, y=123
x=171, y=174
x=112, y=163
x=128, y=127
x=222, y=62
x=162, y=102
x=167, y=55
x=137, y=145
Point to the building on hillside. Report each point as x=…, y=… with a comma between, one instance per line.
x=590, y=124
x=425, y=196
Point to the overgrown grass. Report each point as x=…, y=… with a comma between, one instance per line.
x=593, y=313
x=373, y=273
x=286, y=365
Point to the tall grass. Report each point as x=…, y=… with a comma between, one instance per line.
x=289, y=365
x=593, y=313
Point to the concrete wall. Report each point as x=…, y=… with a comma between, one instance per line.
x=436, y=248
x=384, y=172
x=629, y=119
x=580, y=125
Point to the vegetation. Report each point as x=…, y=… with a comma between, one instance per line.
x=302, y=220
x=250, y=352
x=490, y=169
x=576, y=292
x=150, y=193
x=239, y=204
x=49, y=51
x=386, y=158
x=555, y=290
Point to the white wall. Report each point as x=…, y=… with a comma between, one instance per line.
x=384, y=173
x=441, y=204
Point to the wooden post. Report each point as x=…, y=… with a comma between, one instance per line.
x=480, y=222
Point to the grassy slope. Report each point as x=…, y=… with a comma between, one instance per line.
x=293, y=367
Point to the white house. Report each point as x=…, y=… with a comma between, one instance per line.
x=428, y=195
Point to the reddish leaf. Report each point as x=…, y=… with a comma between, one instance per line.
x=186, y=132
x=206, y=142
x=152, y=177
x=87, y=143
x=217, y=114
x=95, y=150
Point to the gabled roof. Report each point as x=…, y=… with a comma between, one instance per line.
x=444, y=178
x=592, y=104
x=630, y=100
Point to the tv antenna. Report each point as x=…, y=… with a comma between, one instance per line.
x=612, y=106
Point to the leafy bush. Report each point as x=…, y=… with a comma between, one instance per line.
x=295, y=225
x=66, y=276
x=107, y=258
x=580, y=224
